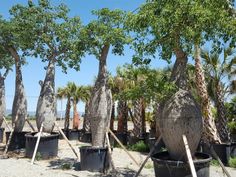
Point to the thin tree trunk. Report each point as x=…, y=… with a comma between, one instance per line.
x=209, y=129
x=19, y=107
x=101, y=103
x=122, y=116
x=46, y=106
x=137, y=130
x=67, y=115
x=143, y=107
x=2, y=99
x=75, y=116
x=86, y=122
x=221, y=124
x=112, y=117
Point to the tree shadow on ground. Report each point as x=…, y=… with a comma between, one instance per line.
x=64, y=164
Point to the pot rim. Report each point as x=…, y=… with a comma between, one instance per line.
x=31, y=135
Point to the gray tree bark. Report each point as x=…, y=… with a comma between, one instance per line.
x=67, y=115
x=46, y=106
x=2, y=97
x=19, y=107
x=101, y=103
x=86, y=122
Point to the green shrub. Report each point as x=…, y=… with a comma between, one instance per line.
x=232, y=162
x=139, y=147
x=66, y=166
x=232, y=126
x=215, y=162
x=148, y=166
x=38, y=156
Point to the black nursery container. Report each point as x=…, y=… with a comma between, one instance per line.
x=17, y=140
x=94, y=159
x=72, y=134
x=48, y=145
x=160, y=146
x=86, y=137
x=1, y=134
x=165, y=167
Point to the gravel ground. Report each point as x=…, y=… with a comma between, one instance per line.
x=18, y=166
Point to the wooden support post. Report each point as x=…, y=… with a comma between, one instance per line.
x=9, y=128
x=149, y=155
x=8, y=143
x=190, y=160
x=64, y=136
x=109, y=151
x=118, y=141
x=213, y=153
x=31, y=126
x=37, y=144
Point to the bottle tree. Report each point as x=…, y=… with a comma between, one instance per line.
x=57, y=44
x=174, y=29
x=102, y=34
x=17, y=41
x=6, y=63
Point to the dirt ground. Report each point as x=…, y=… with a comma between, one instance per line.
x=66, y=165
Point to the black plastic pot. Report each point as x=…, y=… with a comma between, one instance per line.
x=48, y=145
x=17, y=140
x=233, y=149
x=159, y=147
x=94, y=159
x=1, y=134
x=233, y=137
x=165, y=167
x=86, y=137
x=72, y=134
x=121, y=136
x=222, y=150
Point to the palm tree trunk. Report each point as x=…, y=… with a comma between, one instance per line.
x=112, y=117
x=143, y=107
x=86, y=122
x=19, y=107
x=67, y=115
x=101, y=103
x=75, y=116
x=137, y=131
x=221, y=124
x=46, y=106
x=2, y=99
x=122, y=116
x=209, y=129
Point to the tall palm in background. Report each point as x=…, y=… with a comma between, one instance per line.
x=217, y=68
x=87, y=96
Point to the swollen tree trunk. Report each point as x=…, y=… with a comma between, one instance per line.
x=221, y=124
x=101, y=103
x=86, y=122
x=67, y=115
x=46, y=107
x=19, y=107
x=112, y=117
x=75, y=116
x=2, y=98
x=210, y=133
x=122, y=116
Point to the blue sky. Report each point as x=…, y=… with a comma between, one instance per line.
x=33, y=71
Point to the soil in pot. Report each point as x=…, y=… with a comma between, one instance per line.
x=222, y=150
x=48, y=145
x=166, y=167
x=1, y=134
x=94, y=159
x=72, y=134
x=17, y=140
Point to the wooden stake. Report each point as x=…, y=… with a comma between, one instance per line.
x=217, y=158
x=31, y=126
x=190, y=160
x=37, y=144
x=123, y=147
x=149, y=155
x=9, y=128
x=64, y=136
x=109, y=151
x=8, y=142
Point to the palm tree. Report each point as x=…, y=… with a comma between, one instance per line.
x=86, y=122
x=217, y=69
x=210, y=133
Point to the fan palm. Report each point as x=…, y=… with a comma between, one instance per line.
x=217, y=69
